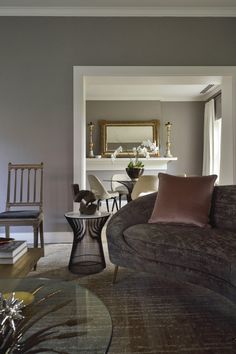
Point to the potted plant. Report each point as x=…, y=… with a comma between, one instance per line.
x=135, y=167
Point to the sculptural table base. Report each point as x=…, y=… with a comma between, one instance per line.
x=87, y=255
x=130, y=186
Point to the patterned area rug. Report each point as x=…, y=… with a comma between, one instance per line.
x=152, y=315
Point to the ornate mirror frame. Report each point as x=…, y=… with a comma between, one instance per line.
x=106, y=124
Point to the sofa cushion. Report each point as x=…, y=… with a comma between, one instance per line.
x=183, y=199
x=207, y=250
x=223, y=213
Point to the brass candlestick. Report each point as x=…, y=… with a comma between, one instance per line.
x=168, y=143
x=91, y=126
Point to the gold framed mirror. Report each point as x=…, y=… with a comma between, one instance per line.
x=128, y=134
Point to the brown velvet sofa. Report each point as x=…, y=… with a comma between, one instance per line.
x=203, y=256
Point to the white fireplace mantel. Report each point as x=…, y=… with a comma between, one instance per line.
x=106, y=164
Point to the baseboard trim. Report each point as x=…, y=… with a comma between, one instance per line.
x=49, y=237
x=120, y=11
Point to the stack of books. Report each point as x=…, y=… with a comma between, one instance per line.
x=11, y=251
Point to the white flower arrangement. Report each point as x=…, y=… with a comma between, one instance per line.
x=142, y=149
x=116, y=152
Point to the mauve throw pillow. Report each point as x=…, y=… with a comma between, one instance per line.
x=183, y=200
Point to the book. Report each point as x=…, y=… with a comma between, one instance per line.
x=5, y=240
x=14, y=259
x=11, y=249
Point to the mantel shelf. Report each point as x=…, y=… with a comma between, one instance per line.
x=106, y=164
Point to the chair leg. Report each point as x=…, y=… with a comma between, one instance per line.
x=116, y=204
x=98, y=204
x=107, y=205
x=7, y=231
x=115, y=274
x=41, y=235
x=36, y=241
x=120, y=196
x=36, y=236
x=113, y=204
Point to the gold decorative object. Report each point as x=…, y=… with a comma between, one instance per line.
x=91, y=126
x=10, y=312
x=168, y=143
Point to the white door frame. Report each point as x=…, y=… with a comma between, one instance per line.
x=228, y=151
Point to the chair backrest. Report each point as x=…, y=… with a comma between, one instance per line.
x=145, y=184
x=25, y=185
x=75, y=191
x=98, y=188
x=118, y=177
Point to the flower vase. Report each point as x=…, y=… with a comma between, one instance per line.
x=134, y=172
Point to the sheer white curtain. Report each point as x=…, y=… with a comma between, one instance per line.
x=212, y=140
x=217, y=147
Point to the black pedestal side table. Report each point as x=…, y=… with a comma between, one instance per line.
x=87, y=255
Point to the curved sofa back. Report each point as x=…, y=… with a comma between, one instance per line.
x=223, y=209
x=222, y=216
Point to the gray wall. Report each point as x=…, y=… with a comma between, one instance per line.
x=36, y=81
x=187, y=129
x=186, y=135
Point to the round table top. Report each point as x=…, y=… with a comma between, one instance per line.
x=62, y=317
x=78, y=215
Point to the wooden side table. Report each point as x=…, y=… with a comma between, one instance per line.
x=87, y=255
x=23, y=266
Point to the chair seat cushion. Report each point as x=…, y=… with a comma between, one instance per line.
x=203, y=249
x=20, y=214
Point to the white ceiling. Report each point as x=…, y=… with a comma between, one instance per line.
x=185, y=88
x=118, y=7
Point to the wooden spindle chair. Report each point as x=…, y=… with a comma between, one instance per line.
x=24, y=190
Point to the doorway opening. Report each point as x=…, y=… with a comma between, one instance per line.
x=171, y=75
